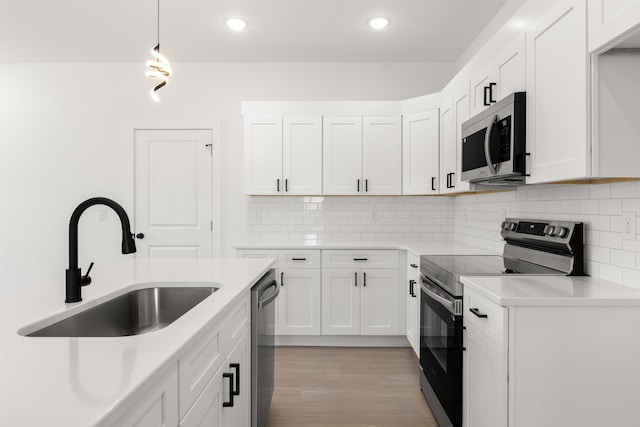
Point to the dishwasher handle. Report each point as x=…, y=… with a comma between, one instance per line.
x=267, y=300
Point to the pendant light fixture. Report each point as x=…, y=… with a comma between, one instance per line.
x=158, y=68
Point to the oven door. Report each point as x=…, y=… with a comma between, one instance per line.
x=441, y=346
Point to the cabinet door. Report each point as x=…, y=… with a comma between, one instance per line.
x=157, y=408
x=413, y=312
x=478, y=82
x=342, y=155
x=382, y=155
x=341, y=301
x=299, y=302
x=558, y=136
x=420, y=151
x=207, y=410
x=460, y=114
x=379, y=302
x=302, y=155
x=239, y=365
x=510, y=70
x=484, y=382
x=263, y=155
x=610, y=19
x=447, y=147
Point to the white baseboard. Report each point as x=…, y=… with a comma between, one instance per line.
x=341, y=341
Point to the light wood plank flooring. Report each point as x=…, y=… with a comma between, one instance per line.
x=329, y=386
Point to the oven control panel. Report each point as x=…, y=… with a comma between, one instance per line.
x=537, y=228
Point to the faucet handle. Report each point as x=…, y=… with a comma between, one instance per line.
x=86, y=280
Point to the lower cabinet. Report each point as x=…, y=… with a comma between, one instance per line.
x=485, y=369
x=298, y=305
x=360, y=301
x=225, y=400
x=413, y=313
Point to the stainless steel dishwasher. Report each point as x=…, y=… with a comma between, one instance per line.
x=263, y=317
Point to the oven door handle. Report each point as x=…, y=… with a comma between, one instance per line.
x=487, y=148
x=445, y=302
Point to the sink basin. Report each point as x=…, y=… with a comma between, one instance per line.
x=134, y=313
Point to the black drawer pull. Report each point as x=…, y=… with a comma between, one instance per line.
x=364, y=280
x=361, y=259
x=433, y=183
x=411, y=291
x=230, y=402
x=298, y=259
x=236, y=366
x=282, y=279
x=476, y=311
x=414, y=266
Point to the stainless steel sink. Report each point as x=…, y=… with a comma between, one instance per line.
x=134, y=313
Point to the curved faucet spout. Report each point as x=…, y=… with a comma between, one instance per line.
x=74, y=280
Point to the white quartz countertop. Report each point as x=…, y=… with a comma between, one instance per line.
x=553, y=291
x=417, y=248
x=77, y=381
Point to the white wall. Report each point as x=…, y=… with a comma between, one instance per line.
x=66, y=135
x=598, y=206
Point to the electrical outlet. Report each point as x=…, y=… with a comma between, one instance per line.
x=102, y=214
x=628, y=225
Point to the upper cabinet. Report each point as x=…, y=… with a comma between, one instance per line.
x=362, y=155
x=611, y=19
x=283, y=156
x=421, y=145
x=502, y=75
x=558, y=136
x=448, y=145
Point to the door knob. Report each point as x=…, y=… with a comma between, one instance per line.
x=140, y=236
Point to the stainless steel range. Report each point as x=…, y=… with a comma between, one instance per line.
x=532, y=247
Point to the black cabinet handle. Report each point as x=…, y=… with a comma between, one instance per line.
x=140, y=236
x=236, y=366
x=433, y=183
x=355, y=278
x=358, y=184
x=278, y=184
x=491, y=86
x=366, y=185
x=453, y=180
x=476, y=311
x=286, y=185
x=281, y=278
x=364, y=279
x=486, y=93
x=230, y=402
x=361, y=259
x=298, y=259
x=411, y=291
x=414, y=266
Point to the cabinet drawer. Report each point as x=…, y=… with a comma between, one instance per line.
x=303, y=258
x=256, y=253
x=360, y=259
x=200, y=362
x=488, y=317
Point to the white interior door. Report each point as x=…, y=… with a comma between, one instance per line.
x=173, y=193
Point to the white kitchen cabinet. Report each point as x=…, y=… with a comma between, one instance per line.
x=504, y=74
x=263, y=155
x=461, y=113
x=158, y=407
x=485, y=369
x=207, y=410
x=362, y=155
x=298, y=305
x=283, y=155
x=413, y=302
x=360, y=302
x=302, y=155
x=238, y=364
x=447, y=145
x=558, y=94
x=420, y=152
x=611, y=19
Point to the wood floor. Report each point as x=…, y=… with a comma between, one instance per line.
x=328, y=386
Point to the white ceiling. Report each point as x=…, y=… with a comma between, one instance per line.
x=279, y=30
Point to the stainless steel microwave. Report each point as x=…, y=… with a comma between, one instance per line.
x=493, y=143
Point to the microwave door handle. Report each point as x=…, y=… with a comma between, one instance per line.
x=487, y=148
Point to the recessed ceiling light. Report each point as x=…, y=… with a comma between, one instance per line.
x=378, y=23
x=236, y=24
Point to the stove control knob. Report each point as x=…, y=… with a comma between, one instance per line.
x=561, y=231
x=512, y=226
x=548, y=230
x=504, y=225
